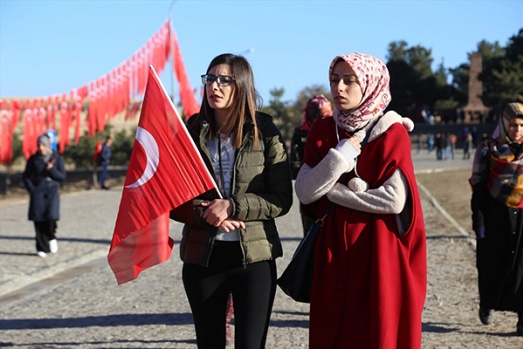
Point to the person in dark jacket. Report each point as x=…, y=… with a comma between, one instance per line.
x=105, y=159
x=497, y=217
x=42, y=176
x=318, y=107
x=230, y=241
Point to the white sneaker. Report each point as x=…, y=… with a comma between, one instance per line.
x=41, y=254
x=53, y=246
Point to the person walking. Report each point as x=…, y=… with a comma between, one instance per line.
x=230, y=241
x=105, y=159
x=439, y=145
x=430, y=143
x=369, y=281
x=468, y=144
x=497, y=217
x=318, y=107
x=451, y=146
x=44, y=171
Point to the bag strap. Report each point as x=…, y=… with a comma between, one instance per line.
x=322, y=219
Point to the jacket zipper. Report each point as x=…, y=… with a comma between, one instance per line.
x=242, y=147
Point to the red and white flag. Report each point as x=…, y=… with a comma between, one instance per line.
x=165, y=170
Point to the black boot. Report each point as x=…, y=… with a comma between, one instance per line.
x=485, y=315
x=519, y=326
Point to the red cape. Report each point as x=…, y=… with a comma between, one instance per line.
x=369, y=283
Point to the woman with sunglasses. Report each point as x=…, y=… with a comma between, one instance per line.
x=230, y=241
x=369, y=279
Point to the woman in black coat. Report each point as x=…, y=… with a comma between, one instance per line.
x=42, y=176
x=497, y=217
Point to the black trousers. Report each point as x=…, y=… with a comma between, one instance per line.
x=253, y=288
x=45, y=231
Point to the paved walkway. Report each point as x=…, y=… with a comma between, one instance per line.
x=71, y=300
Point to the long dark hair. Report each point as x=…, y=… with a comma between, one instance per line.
x=243, y=106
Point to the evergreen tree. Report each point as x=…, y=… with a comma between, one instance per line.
x=503, y=71
x=412, y=81
x=281, y=112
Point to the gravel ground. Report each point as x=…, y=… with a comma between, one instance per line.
x=71, y=300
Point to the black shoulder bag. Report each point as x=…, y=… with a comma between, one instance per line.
x=296, y=280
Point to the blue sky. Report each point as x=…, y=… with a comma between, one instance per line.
x=49, y=47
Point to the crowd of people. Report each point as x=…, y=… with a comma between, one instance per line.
x=444, y=144
x=350, y=156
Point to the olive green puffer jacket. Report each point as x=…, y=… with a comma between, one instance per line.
x=261, y=190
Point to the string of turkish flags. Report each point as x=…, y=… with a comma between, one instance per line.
x=100, y=100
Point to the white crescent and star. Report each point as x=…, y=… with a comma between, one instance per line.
x=152, y=154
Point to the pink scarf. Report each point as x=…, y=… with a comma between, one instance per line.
x=373, y=77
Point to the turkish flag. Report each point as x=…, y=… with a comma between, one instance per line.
x=165, y=170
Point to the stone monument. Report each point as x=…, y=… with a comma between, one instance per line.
x=475, y=111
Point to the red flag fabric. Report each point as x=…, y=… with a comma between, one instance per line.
x=97, y=150
x=64, y=125
x=28, y=147
x=91, y=110
x=4, y=133
x=15, y=117
x=165, y=170
x=189, y=103
x=51, y=118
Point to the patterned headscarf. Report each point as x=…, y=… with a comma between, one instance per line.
x=499, y=161
x=317, y=107
x=510, y=111
x=373, y=78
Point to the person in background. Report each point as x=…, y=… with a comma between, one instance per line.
x=369, y=281
x=44, y=171
x=105, y=159
x=420, y=144
x=430, y=143
x=438, y=144
x=451, y=145
x=497, y=217
x=468, y=144
x=317, y=108
x=230, y=241
x=445, y=146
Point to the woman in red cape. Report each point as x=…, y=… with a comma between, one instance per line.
x=369, y=281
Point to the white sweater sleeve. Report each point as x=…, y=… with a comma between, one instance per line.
x=313, y=183
x=390, y=198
